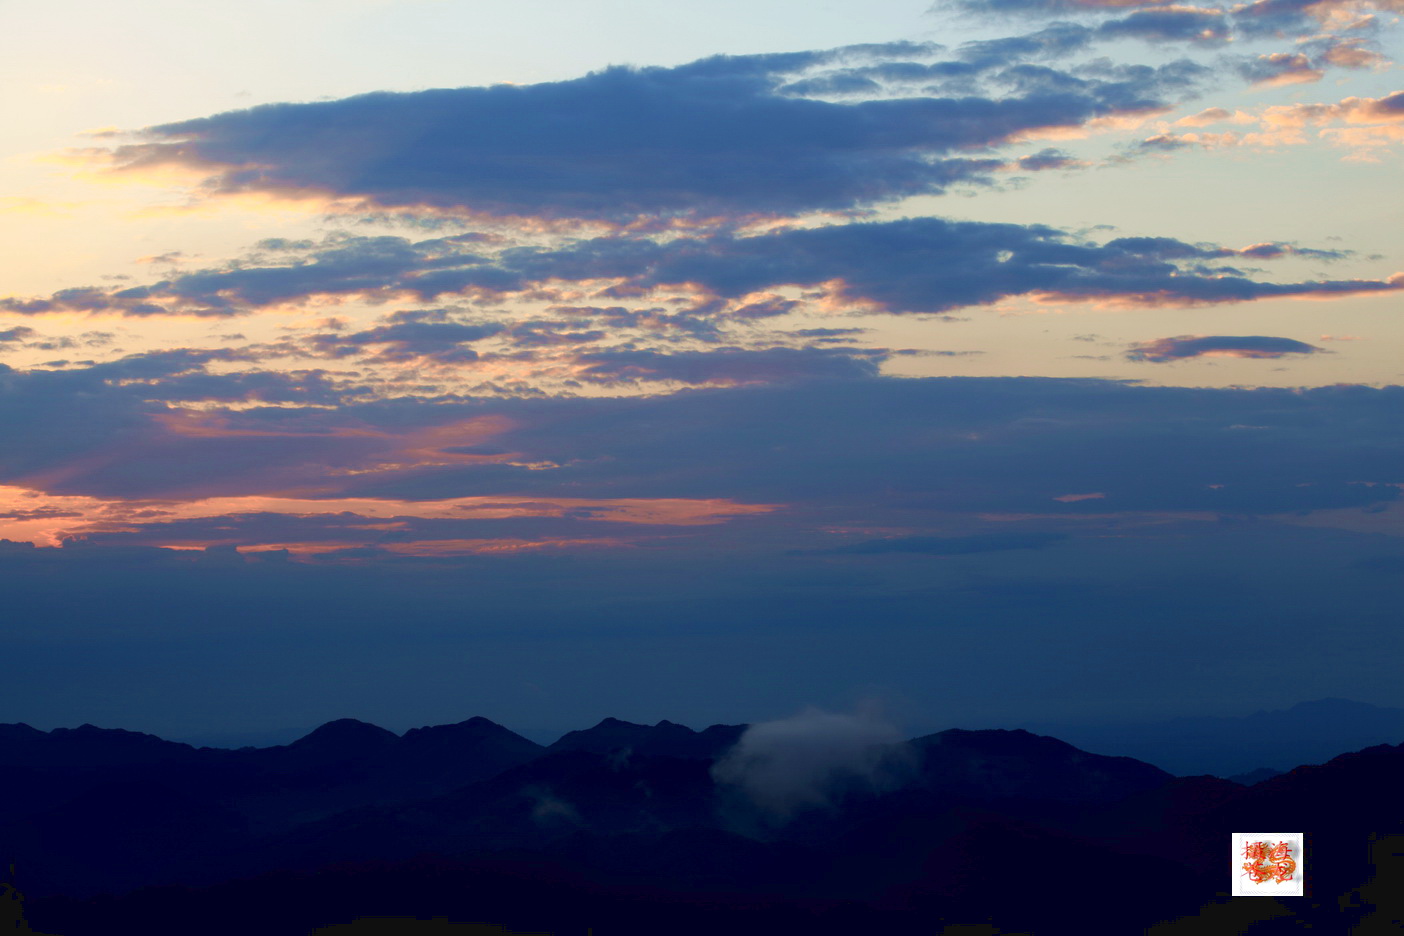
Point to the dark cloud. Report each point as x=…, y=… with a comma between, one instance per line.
x=1258, y=18
x=1280, y=18
x=911, y=265
x=340, y=264
x=725, y=136
x=766, y=308
x=829, y=333
x=656, y=320
x=1046, y=159
x=1389, y=106
x=1052, y=6
x=442, y=342
x=1354, y=52
x=38, y=513
x=964, y=445
x=1054, y=41
x=1165, y=21
x=1242, y=346
x=924, y=265
x=1173, y=24
x=968, y=445
x=290, y=272
x=1271, y=251
x=17, y=334
x=1168, y=248
x=1305, y=20
x=1160, y=143
x=57, y=421
x=543, y=333
x=1280, y=67
x=49, y=417
x=258, y=529
x=729, y=366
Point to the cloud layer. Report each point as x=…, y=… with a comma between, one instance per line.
x=930, y=462
x=723, y=137
x=921, y=265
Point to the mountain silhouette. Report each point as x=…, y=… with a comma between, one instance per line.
x=665, y=739
x=1307, y=733
x=150, y=810
x=1000, y=764
x=1008, y=830
x=86, y=746
x=1255, y=776
x=345, y=737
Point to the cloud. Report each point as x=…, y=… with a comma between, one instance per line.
x=728, y=366
x=409, y=529
x=1351, y=53
x=1183, y=347
x=921, y=265
x=1206, y=117
x=729, y=136
x=548, y=809
x=1046, y=159
x=1169, y=248
x=1051, y=7
x=1364, y=126
x=1280, y=68
x=855, y=448
x=1057, y=40
x=1293, y=18
x=1196, y=25
x=1328, y=33
x=276, y=273
x=15, y=335
x=808, y=760
x=1257, y=18
x=913, y=451
x=409, y=338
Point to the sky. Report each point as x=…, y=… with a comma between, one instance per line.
x=989, y=361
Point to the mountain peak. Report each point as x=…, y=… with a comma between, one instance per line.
x=1016, y=762
x=88, y=732
x=473, y=729
x=346, y=731
x=19, y=730
x=665, y=739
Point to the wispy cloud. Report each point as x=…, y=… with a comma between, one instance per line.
x=922, y=265
x=1183, y=347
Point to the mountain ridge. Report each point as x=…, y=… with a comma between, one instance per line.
x=1310, y=732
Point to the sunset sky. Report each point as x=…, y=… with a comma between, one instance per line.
x=992, y=361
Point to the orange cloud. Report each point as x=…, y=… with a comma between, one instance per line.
x=1362, y=125
x=29, y=515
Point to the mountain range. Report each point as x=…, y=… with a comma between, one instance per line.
x=1227, y=746
x=627, y=828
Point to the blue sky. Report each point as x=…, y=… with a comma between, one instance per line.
x=411, y=360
